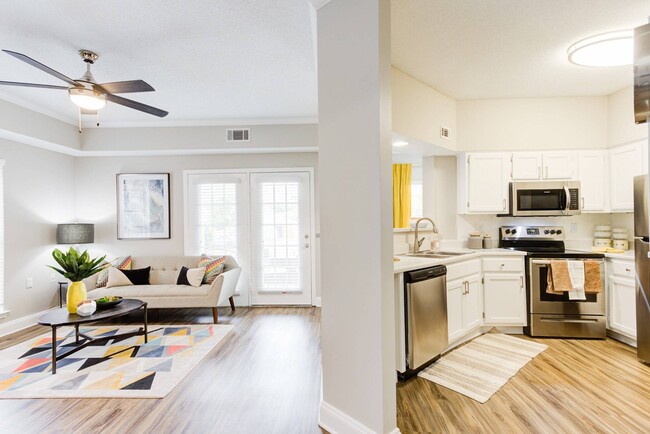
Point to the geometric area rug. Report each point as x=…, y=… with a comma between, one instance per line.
x=116, y=368
x=481, y=367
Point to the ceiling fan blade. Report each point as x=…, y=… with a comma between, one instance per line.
x=130, y=86
x=42, y=67
x=44, y=86
x=137, y=105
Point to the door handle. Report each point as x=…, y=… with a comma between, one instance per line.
x=567, y=199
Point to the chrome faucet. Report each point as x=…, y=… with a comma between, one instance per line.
x=417, y=243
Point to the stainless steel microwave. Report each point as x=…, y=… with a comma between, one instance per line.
x=544, y=198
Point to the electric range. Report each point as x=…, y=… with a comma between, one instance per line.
x=553, y=315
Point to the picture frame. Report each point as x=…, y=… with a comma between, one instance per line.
x=143, y=206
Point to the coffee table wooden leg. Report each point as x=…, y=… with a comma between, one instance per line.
x=146, y=337
x=53, y=350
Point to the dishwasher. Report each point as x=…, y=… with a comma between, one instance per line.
x=425, y=304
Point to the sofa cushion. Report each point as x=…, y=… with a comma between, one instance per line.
x=213, y=267
x=137, y=291
x=116, y=277
x=123, y=263
x=191, y=276
x=138, y=276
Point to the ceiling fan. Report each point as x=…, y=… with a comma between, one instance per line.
x=85, y=92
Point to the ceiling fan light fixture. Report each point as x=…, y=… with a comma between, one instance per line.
x=88, y=99
x=605, y=49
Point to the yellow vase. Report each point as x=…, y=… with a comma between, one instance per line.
x=76, y=294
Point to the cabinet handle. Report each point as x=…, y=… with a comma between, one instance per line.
x=628, y=270
x=521, y=281
x=539, y=172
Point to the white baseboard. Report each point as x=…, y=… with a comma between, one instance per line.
x=335, y=421
x=316, y=302
x=21, y=323
x=621, y=338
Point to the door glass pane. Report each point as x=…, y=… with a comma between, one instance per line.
x=216, y=218
x=281, y=266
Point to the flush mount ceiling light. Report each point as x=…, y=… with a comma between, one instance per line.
x=400, y=144
x=605, y=49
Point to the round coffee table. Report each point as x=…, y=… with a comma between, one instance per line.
x=61, y=317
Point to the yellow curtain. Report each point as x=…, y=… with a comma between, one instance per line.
x=401, y=195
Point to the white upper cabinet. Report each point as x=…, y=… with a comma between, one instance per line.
x=559, y=165
x=593, y=173
x=526, y=166
x=532, y=166
x=625, y=162
x=483, y=183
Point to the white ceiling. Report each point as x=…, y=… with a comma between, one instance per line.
x=207, y=60
x=483, y=49
x=240, y=61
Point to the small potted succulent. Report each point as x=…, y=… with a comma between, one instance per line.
x=76, y=267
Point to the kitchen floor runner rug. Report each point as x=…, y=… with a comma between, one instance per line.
x=117, y=368
x=481, y=367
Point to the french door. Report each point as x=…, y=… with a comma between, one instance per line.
x=281, y=238
x=263, y=219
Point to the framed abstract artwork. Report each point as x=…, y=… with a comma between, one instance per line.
x=143, y=203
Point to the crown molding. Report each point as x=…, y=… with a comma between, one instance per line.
x=203, y=123
x=317, y=4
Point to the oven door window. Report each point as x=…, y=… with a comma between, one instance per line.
x=541, y=200
x=546, y=297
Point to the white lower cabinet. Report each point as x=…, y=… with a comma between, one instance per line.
x=463, y=305
x=505, y=299
x=621, y=298
x=504, y=291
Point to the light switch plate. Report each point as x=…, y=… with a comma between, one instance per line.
x=29, y=282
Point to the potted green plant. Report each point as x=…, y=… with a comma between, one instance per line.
x=76, y=267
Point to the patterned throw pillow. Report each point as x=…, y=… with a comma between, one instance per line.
x=123, y=263
x=213, y=267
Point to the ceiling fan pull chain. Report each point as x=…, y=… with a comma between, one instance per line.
x=79, y=120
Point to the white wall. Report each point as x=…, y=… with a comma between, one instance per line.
x=95, y=181
x=621, y=128
x=39, y=193
x=532, y=123
x=418, y=111
x=358, y=328
x=200, y=137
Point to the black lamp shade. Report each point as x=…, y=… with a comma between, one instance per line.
x=75, y=233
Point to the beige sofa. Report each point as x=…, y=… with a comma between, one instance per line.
x=163, y=292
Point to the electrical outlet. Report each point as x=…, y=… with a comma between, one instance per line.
x=29, y=282
x=52, y=278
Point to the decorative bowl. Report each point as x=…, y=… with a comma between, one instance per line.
x=108, y=302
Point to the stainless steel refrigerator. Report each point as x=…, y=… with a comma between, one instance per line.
x=641, y=189
x=642, y=262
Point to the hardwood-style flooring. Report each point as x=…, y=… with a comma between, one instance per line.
x=264, y=377
x=575, y=386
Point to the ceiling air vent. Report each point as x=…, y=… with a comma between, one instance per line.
x=444, y=132
x=241, y=135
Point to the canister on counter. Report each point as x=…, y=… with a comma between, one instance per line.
x=475, y=241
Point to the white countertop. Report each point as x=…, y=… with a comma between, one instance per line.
x=408, y=263
x=628, y=255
